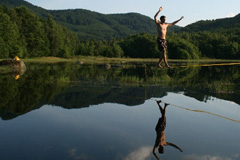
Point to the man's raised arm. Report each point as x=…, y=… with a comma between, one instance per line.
x=170, y=24
x=174, y=145
x=156, y=15
x=154, y=152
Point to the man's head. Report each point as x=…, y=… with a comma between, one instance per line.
x=163, y=19
x=161, y=149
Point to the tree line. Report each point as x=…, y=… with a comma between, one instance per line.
x=24, y=34
x=221, y=44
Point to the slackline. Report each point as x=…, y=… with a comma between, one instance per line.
x=206, y=65
x=200, y=111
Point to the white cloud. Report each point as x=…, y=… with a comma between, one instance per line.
x=143, y=153
x=75, y=156
x=231, y=15
x=204, y=157
x=237, y=156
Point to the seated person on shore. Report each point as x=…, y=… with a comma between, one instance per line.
x=16, y=58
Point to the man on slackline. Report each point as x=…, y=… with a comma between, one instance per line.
x=162, y=32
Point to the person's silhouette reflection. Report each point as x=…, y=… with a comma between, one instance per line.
x=161, y=139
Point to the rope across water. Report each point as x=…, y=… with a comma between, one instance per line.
x=200, y=111
x=206, y=65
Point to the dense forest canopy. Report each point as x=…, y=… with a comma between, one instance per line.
x=24, y=34
x=92, y=25
x=37, y=32
x=213, y=25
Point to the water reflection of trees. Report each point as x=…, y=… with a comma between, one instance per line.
x=76, y=86
x=38, y=85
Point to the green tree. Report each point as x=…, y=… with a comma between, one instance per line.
x=32, y=31
x=140, y=46
x=9, y=37
x=179, y=48
x=86, y=48
x=54, y=37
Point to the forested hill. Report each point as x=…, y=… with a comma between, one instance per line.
x=14, y=3
x=24, y=34
x=92, y=25
x=96, y=26
x=211, y=25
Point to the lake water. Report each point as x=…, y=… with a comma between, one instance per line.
x=67, y=111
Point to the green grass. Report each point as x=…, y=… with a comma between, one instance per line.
x=48, y=60
x=4, y=69
x=102, y=60
x=86, y=60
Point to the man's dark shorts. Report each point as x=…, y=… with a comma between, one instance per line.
x=161, y=125
x=162, y=44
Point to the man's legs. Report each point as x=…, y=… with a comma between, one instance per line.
x=163, y=57
x=163, y=111
x=160, y=60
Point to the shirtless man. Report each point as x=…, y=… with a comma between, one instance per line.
x=162, y=32
x=161, y=139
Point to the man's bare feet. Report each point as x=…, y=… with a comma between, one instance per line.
x=166, y=104
x=160, y=66
x=158, y=102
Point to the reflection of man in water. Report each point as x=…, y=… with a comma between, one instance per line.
x=161, y=139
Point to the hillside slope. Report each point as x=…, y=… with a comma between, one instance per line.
x=88, y=24
x=210, y=25
x=92, y=25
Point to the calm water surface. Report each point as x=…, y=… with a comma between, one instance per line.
x=93, y=112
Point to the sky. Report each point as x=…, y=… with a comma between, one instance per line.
x=192, y=10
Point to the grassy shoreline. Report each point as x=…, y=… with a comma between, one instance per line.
x=101, y=60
